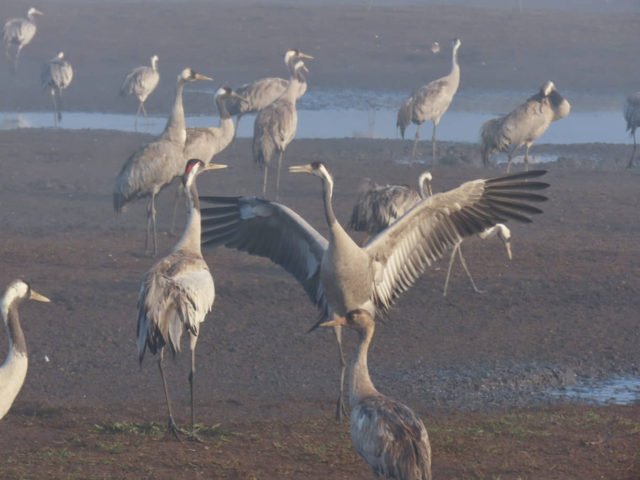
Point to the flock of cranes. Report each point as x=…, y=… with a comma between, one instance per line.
x=349, y=284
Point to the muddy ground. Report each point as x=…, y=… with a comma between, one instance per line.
x=476, y=367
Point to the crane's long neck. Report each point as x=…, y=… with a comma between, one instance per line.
x=361, y=384
x=32, y=18
x=455, y=68
x=175, y=129
x=17, y=344
x=190, y=240
x=222, y=109
x=327, y=194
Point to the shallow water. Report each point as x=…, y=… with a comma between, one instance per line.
x=619, y=390
x=372, y=114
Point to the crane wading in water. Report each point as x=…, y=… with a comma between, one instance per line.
x=140, y=82
x=337, y=274
x=177, y=293
x=56, y=74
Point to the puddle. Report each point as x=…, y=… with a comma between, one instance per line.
x=620, y=390
x=368, y=114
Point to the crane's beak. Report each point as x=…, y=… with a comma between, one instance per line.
x=203, y=77
x=38, y=297
x=335, y=322
x=214, y=166
x=507, y=245
x=304, y=67
x=301, y=168
x=304, y=55
x=429, y=190
x=37, y=11
x=239, y=97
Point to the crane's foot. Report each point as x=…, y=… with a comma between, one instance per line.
x=341, y=410
x=173, y=428
x=477, y=290
x=193, y=436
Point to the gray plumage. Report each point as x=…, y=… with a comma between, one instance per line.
x=387, y=434
x=632, y=116
x=430, y=102
x=261, y=93
x=378, y=206
x=56, y=74
x=275, y=126
x=14, y=369
x=19, y=32
x=177, y=292
x=337, y=274
x=523, y=125
x=500, y=230
x=158, y=163
x=140, y=82
x=205, y=143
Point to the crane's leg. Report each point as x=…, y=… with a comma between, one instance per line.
x=509, y=161
x=433, y=144
x=171, y=425
x=415, y=142
x=278, y=174
x=340, y=408
x=526, y=158
x=192, y=373
x=451, y=260
x=135, y=123
x=55, y=107
x=59, y=105
x=15, y=60
x=264, y=181
x=151, y=227
x=466, y=269
x=633, y=153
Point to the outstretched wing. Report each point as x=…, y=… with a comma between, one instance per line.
x=436, y=224
x=268, y=229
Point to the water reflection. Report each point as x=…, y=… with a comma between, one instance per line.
x=620, y=390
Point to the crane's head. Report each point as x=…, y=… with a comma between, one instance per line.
x=154, y=62
x=60, y=55
x=299, y=65
x=295, y=54
x=455, y=44
x=227, y=92
x=561, y=107
x=318, y=169
x=424, y=180
x=195, y=167
x=33, y=11
x=190, y=75
x=504, y=234
x=358, y=319
x=17, y=292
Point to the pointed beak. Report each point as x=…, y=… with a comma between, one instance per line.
x=335, y=322
x=300, y=168
x=38, y=12
x=304, y=67
x=429, y=190
x=239, y=97
x=38, y=297
x=304, y=55
x=203, y=77
x=507, y=245
x=214, y=166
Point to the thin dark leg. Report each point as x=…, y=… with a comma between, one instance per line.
x=466, y=269
x=264, y=181
x=151, y=226
x=526, y=158
x=433, y=144
x=415, y=142
x=192, y=375
x=509, y=161
x=340, y=408
x=278, y=174
x=173, y=428
x=633, y=153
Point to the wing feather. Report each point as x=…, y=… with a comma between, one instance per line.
x=270, y=230
x=436, y=224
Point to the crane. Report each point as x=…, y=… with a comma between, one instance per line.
x=177, y=293
x=140, y=82
x=387, y=434
x=275, y=126
x=56, y=74
x=19, y=32
x=157, y=164
x=264, y=91
x=14, y=369
x=430, y=102
x=523, y=125
x=337, y=274
x=632, y=116
x=207, y=142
